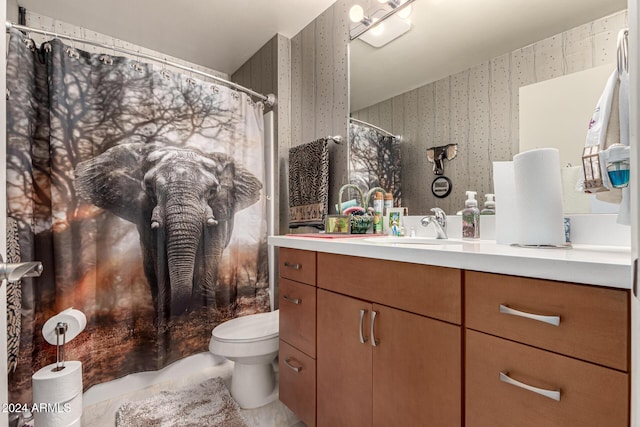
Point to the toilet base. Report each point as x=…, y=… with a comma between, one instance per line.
x=253, y=385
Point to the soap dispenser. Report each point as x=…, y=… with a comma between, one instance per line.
x=471, y=217
x=489, y=205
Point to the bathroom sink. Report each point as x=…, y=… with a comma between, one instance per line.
x=412, y=240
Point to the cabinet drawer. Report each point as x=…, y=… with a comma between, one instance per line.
x=298, y=315
x=590, y=395
x=422, y=289
x=593, y=321
x=297, y=387
x=297, y=265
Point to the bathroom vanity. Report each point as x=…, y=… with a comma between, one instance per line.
x=471, y=334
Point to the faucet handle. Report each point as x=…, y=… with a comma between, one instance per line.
x=440, y=216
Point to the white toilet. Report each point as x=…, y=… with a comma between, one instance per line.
x=252, y=343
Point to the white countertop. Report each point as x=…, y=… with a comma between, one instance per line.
x=588, y=264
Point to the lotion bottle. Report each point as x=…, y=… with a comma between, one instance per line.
x=378, y=209
x=471, y=217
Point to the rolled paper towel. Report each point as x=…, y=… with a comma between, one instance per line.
x=507, y=224
x=57, y=395
x=76, y=322
x=538, y=186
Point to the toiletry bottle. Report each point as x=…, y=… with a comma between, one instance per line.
x=388, y=203
x=489, y=205
x=471, y=217
x=378, y=208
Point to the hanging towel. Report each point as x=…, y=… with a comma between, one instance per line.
x=309, y=184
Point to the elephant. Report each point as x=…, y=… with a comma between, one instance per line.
x=183, y=202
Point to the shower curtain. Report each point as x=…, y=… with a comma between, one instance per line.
x=140, y=190
x=374, y=161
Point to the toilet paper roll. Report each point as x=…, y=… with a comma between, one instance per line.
x=76, y=322
x=507, y=224
x=538, y=186
x=66, y=414
x=57, y=395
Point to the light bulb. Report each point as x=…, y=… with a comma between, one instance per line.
x=378, y=29
x=405, y=12
x=356, y=13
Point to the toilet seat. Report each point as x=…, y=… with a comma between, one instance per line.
x=253, y=328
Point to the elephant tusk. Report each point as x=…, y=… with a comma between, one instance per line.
x=212, y=221
x=154, y=225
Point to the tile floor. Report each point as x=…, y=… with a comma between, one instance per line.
x=275, y=414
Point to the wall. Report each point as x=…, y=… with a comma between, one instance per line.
x=634, y=77
x=319, y=93
x=478, y=109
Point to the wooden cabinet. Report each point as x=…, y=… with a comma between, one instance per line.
x=540, y=352
x=296, y=359
x=367, y=342
x=381, y=366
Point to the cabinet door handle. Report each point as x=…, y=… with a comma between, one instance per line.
x=552, y=320
x=551, y=394
x=294, y=266
x=292, y=367
x=363, y=339
x=374, y=341
x=292, y=300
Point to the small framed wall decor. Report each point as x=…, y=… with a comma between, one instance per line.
x=393, y=221
x=441, y=187
x=337, y=224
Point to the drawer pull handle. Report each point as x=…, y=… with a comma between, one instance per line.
x=374, y=341
x=292, y=367
x=551, y=394
x=552, y=320
x=363, y=339
x=294, y=266
x=292, y=300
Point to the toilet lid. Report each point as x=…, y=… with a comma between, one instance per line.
x=255, y=327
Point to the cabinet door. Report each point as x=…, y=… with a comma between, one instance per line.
x=417, y=364
x=343, y=361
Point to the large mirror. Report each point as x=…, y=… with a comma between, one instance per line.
x=456, y=76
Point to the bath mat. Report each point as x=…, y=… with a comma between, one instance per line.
x=206, y=404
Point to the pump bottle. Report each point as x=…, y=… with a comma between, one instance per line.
x=489, y=205
x=471, y=217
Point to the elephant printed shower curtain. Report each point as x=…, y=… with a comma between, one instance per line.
x=141, y=192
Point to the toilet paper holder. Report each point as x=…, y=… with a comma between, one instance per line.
x=61, y=329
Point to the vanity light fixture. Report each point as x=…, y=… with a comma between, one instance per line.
x=398, y=26
x=404, y=12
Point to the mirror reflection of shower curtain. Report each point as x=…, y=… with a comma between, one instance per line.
x=374, y=161
x=107, y=161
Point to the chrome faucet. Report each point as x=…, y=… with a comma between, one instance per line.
x=439, y=221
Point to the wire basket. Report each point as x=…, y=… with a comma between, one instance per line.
x=359, y=223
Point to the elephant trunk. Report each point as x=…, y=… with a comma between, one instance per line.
x=183, y=230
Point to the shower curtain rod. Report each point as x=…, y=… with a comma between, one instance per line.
x=374, y=127
x=269, y=100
